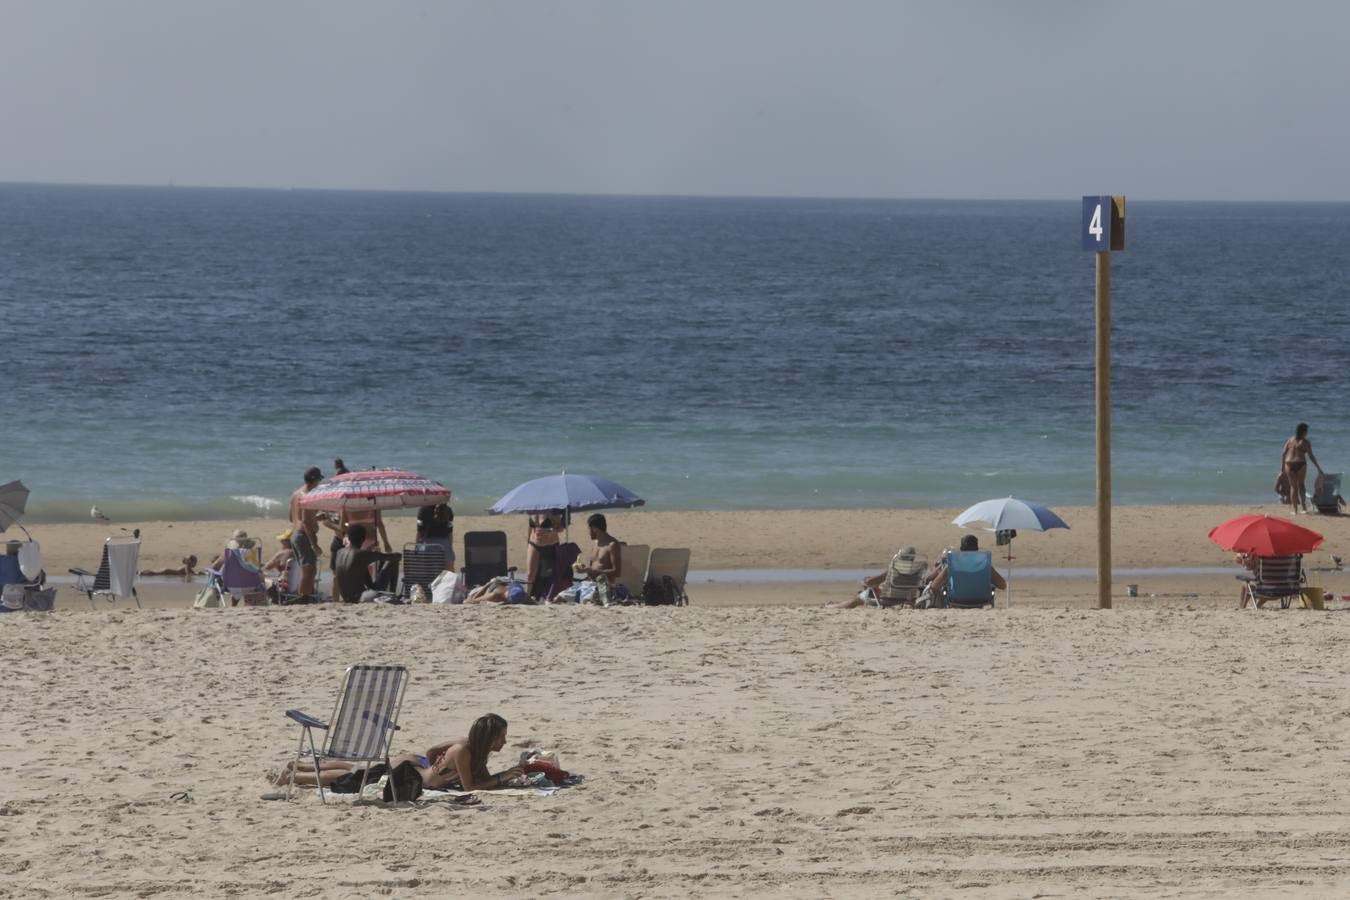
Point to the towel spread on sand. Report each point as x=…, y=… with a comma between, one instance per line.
x=375, y=791
x=539, y=786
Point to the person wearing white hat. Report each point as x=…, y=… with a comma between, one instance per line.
x=899, y=585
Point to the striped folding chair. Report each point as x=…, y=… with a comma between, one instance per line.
x=116, y=575
x=363, y=723
x=421, y=564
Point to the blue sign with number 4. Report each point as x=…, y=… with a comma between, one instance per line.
x=1103, y=223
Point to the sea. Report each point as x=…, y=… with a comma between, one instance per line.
x=182, y=353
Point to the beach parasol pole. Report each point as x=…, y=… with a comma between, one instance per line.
x=1103, y=231
x=1010, y=568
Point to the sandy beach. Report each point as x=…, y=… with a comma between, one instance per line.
x=746, y=745
x=1145, y=537
x=783, y=752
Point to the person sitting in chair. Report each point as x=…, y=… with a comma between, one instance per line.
x=352, y=581
x=937, y=581
x=606, y=552
x=899, y=585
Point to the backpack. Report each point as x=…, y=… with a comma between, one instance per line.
x=663, y=593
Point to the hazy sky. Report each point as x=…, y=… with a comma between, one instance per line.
x=1043, y=98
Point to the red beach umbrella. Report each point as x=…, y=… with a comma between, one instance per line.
x=1265, y=536
x=375, y=489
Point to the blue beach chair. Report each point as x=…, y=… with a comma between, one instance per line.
x=1327, y=494
x=970, y=582
x=363, y=723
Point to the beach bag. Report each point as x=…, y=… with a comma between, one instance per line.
x=660, y=593
x=449, y=587
x=11, y=598
x=207, y=598
x=406, y=780
x=39, y=599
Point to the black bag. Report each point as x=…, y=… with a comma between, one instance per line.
x=351, y=782
x=661, y=593
x=405, y=780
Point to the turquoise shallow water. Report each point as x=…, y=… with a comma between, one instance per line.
x=184, y=353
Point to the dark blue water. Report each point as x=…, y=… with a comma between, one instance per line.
x=172, y=348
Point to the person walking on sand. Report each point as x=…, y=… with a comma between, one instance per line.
x=1294, y=464
x=305, y=533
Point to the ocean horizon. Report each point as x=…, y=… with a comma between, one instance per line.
x=185, y=353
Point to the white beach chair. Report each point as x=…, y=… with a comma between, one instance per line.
x=363, y=723
x=633, y=574
x=666, y=564
x=116, y=575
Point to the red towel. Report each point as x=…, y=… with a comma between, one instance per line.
x=551, y=772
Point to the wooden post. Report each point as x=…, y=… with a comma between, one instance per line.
x=1104, y=430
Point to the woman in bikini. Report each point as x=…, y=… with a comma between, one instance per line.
x=453, y=765
x=541, y=556
x=1294, y=464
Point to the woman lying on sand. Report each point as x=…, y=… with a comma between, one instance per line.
x=187, y=570
x=453, y=765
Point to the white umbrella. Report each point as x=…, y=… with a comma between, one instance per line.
x=1009, y=514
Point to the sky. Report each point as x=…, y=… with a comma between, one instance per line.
x=1030, y=99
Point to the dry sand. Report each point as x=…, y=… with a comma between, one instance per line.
x=740, y=746
x=784, y=752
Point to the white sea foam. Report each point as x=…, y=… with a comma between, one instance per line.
x=263, y=504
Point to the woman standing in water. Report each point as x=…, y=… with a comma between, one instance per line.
x=1294, y=463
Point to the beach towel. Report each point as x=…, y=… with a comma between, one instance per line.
x=122, y=568
x=30, y=560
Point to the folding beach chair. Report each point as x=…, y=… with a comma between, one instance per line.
x=116, y=575
x=484, y=557
x=363, y=723
x=1327, y=494
x=970, y=579
x=1276, y=578
x=421, y=564
x=238, y=578
x=633, y=571
x=901, y=584
x=663, y=583
x=22, y=580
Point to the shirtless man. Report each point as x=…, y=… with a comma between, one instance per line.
x=606, y=552
x=305, y=533
x=1294, y=464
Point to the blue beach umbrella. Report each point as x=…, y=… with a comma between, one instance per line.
x=570, y=492
x=1009, y=514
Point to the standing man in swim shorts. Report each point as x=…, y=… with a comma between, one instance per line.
x=1294, y=463
x=305, y=536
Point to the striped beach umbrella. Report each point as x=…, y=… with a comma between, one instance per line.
x=375, y=489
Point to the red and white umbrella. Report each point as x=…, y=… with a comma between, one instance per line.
x=375, y=489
